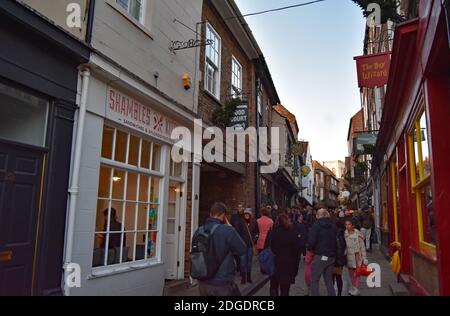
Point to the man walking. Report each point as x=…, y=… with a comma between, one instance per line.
x=322, y=242
x=226, y=243
x=367, y=222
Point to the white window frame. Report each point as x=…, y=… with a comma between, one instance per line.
x=236, y=76
x=210, y=63
x=125, y=167
x=127, y=10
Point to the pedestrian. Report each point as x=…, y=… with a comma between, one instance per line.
x=274, y=212
x=322, y=242
x=301, y=229
x=250, y=241
x=238, y=223
x=341, y=258
x=356, y=254
x=367, y=222
x=226, y=242
x=284, y=246
x=265, y=224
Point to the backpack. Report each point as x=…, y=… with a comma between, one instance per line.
x=266, y=258
x=204, y=264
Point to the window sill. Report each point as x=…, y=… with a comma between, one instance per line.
x=215, y=98
x=103, y=272
x=139, y=25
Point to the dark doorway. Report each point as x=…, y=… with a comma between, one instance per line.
x=20, y=191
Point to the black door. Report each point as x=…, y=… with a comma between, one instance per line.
x=20, y=183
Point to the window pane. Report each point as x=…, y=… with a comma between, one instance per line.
x=171, y=226
x=156, y=157
x=130, y=217
x=132, y=186
x=99, y=251
x=129, y=246
x=135, y=9
x=104, y=182
x=416, y=156
x=143, y=210
x=429, y=225
x=102, y=213
x=140, y=245
x=152, y=242
x=145, y=154
x=123, y=4
x=154, y=191
x=143, y=188
x=107, y=142
x=425, y=146
x=118, y=184
x=153, y=217
x=121, y=146
x=23, y=117
x=133, y=155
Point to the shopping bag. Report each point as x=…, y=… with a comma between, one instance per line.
x=396, y=264
x=363, y=271
x=267, y=261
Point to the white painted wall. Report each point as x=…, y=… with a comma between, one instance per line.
x=143, y=49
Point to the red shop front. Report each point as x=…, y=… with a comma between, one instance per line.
x=413, y=150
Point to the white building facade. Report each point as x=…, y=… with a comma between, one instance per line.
x=132, y=209
x=308, y=180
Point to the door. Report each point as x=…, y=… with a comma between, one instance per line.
x=173, y=231
x=20, y=186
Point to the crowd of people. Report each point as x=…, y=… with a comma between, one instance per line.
x=327, y=240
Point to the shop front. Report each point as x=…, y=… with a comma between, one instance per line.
x=411, y=153
x=38, y=91
x=133, y=215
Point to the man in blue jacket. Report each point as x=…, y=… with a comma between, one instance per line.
x=227, y=243
x=322, y=242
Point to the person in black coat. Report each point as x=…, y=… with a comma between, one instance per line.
x=301, y=229
x=341, y=258
x=284, y=245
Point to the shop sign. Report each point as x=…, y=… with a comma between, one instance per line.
x=364, y=143
x=127, y=111
x=373, y=70
x=239, y=120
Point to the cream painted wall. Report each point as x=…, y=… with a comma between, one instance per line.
x=143, y=48
x=55, y=11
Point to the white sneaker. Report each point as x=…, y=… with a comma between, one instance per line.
x=353, y=291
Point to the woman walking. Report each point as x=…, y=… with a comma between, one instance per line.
x=341, y=258
x=252, y=234
x=356, y=254
x=265, y=224
x=284, y=245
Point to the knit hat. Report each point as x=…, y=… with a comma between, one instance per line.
x=248, y=211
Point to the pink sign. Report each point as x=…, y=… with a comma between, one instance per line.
x=127, y=111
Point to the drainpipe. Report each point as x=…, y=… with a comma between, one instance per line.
x=90, y=22
x=74, y=185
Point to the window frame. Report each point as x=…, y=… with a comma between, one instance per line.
x=210, y=63
x=141, y=18
x=417, y=185
x=139, y=171
x=238, y=76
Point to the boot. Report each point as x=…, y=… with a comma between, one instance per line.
x=243, y=279
x=249, y=278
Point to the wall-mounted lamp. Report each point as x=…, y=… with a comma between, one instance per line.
x=186, y=81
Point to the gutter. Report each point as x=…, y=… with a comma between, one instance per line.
x=90, y=22
x=74, y=184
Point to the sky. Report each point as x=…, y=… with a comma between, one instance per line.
x=309, y=51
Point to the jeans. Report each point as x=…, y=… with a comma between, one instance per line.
x=246, y=261
x=321, y=267
x=367, y=233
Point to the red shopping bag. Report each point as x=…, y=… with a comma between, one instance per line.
x=363, y=271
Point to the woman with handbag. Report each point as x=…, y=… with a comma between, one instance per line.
x=356, y=254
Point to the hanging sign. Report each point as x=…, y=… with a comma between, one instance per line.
x=122, y=109
x=373, y=70
x=239, y=120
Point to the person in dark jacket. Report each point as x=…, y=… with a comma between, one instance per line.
x=238, y=223
x=284, y=245
x=226, y=243
x=301, y=229
x=322, y=242
x=341, y=257
x=250, y=240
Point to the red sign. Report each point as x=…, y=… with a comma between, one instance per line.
x=373, y=70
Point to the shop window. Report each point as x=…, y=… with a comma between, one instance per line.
x=420, y=166
x=127, y=224
x=23, y=117
x=395, y=193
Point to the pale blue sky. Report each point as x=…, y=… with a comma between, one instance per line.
x=310, y=53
